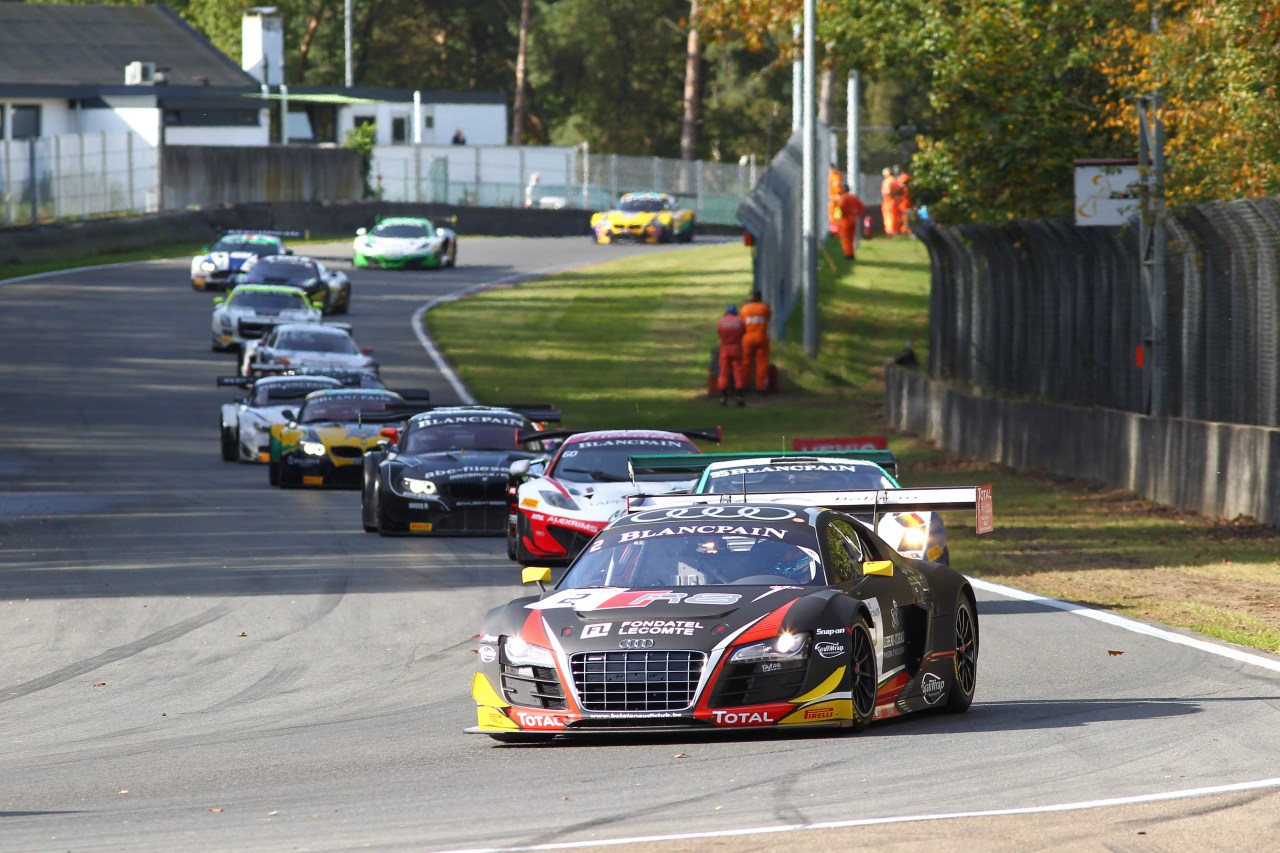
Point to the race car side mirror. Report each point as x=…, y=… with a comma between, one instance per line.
x=519, y=468
x=367, y=350
x=360, y=232
x=536, y=574
x=882, y=568
x=317, y=303
x=218, y=300
x=390, y=432
x=288, y=414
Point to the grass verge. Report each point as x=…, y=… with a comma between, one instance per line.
x=627, y=344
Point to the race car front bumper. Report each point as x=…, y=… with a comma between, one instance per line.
x=340, y=468
x=426, y=514
x=428, y=261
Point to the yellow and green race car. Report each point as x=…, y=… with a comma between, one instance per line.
x=323, y=443
x=644, y=218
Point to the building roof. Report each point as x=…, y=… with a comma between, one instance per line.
x=77, y=46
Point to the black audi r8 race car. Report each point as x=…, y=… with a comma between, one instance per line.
x=734, y=614
x=448, y=471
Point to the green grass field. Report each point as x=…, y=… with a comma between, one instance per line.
x=627, y=344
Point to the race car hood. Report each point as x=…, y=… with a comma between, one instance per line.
x=320, y=360
x=229, y=260
x=460, y=464
x=289, y=315
x=701, y=617
x=603, y=501
x=619, y=218
x=401, y=245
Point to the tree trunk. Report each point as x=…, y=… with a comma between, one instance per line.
x=826, y=96
x=689, y=128
x=518, y=110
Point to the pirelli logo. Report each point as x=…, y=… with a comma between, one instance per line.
x=820, y=713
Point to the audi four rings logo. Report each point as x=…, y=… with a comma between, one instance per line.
x=687, y=513
x=636, y=644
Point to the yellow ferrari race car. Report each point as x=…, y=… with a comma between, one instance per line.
x=644, y=218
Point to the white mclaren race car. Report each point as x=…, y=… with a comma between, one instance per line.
x=251, y=310
x=555, y=505
x=312, y=346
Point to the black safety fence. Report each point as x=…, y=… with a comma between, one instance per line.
x=1052, y=311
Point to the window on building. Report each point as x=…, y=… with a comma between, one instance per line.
x=429, y=122
x=399, y=130
x=361, y=121
x=26, y=121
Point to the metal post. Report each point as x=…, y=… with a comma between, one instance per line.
x=417, y=117
x=586, y=175
x=106, y=179
x=55, y=177
x=348, y=75
x=32, y=182
x=1153, y=240
x=853, y=151
x=797, y=84
x=284, y=114
x=809, y=229
x=128, y=170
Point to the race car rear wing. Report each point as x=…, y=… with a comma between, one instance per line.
x=695, y=464
x=928, y=499
x=390, y=415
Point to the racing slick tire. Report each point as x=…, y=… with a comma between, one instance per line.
x=343, y=303
x=273, y=473
x=687, y=236
x=451, y=258
x=386, y=527
x=862, y=674
x=521, y=737
x=230, y=443
x=522, y=554
x=511, y=543
x=966, y=660
x=369, y=497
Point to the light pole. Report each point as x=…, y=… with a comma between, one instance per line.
x=808, y=248
x=349, y=75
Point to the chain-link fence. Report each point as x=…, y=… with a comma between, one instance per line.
x=1053, y=311
x=553, y=177
x=76, y=175
x=772, y=215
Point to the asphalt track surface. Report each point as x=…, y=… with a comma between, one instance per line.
x=192, y=660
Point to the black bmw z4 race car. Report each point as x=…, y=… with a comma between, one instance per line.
x=447, y=472
x=732, y=614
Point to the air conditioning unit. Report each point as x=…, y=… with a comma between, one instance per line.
x=140, y=74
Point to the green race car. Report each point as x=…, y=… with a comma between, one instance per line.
x=405, y=242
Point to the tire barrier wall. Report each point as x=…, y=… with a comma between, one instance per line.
x=1212, y=468
x=1049, y=310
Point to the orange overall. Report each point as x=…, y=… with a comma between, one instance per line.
x=731, y=329
x=849, y=212
x=755, y=343
x=890, y=190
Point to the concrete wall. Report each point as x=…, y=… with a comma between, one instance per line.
x=210, y=175
x=1215, y=469
x=133, y=233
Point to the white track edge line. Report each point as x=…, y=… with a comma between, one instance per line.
x=1236, y=654
x=36, y=276
x=1137, y=799
x=419, y=328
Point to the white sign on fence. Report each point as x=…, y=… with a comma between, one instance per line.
x=1107, y=191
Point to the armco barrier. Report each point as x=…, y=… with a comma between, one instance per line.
x=1215, y=469
x=133, y=233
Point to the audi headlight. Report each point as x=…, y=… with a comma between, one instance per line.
x=785, y=646
x=312, y=448
x=557, y=499
x=208, y=266
x=414, y=486
x=520, y=653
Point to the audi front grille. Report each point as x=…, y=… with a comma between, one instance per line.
x=637, y=681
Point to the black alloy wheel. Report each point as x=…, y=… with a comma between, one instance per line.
x=966, y=660
x=862, y=674
x=230, y=443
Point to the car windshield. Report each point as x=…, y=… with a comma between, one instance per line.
x=340, y=408
x=253, y=247
x=308, y=340
x=703, y=553
x=605, y=460
x=434, y=438
x=267, y=271
x=643, y=205
x=401, y=231
x=266, y=300
x=798, y=477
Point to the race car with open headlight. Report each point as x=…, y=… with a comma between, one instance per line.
x=249, y=311
x=644, y=218
x=323, y=442
x=214, y=267
x=448, y=471
x=919, y=535
x=734, y=614
x=557, y=503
